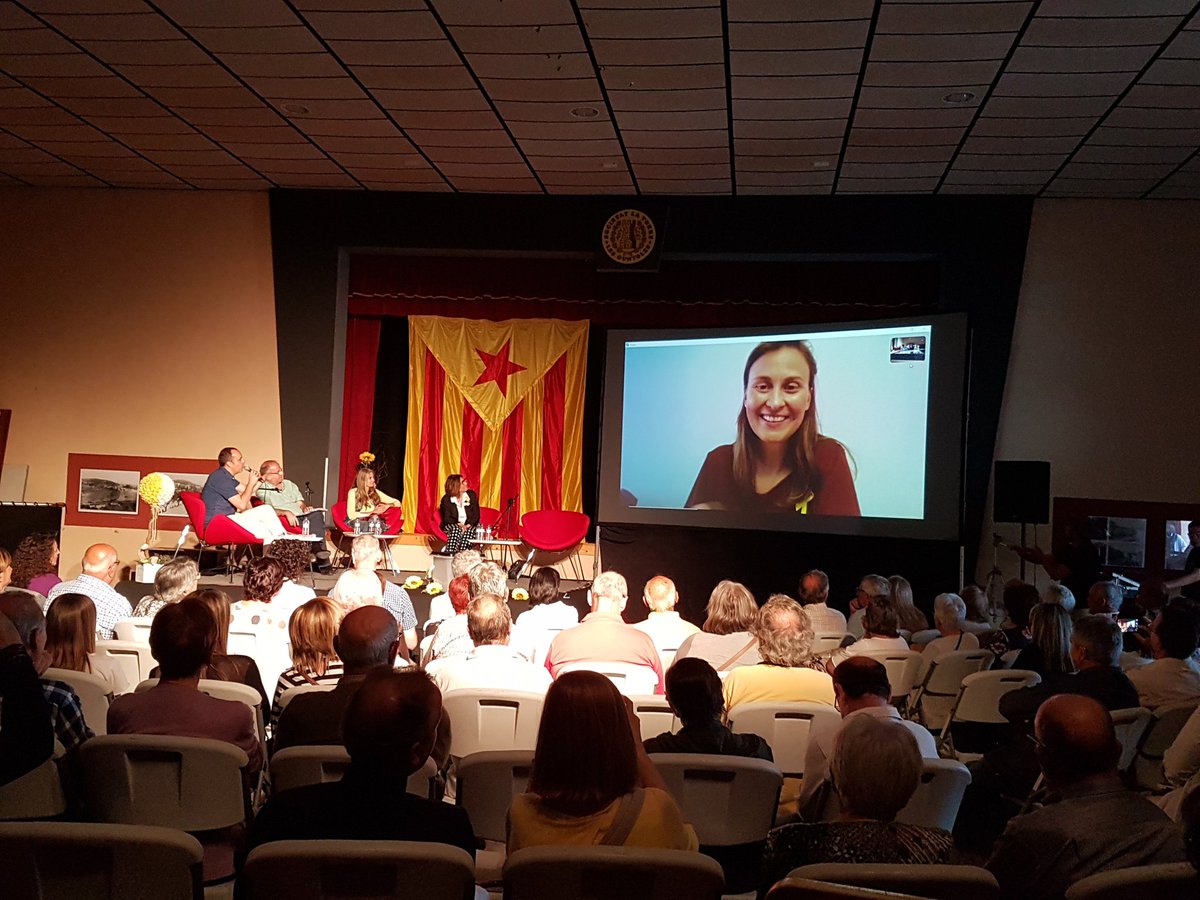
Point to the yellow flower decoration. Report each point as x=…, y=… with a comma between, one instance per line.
x=156, y=489
x=412, y=582
x=433, y=589
x=520, y=594
x=366, y=458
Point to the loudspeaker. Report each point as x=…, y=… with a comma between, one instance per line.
x=1022, y=492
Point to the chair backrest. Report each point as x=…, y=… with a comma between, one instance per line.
x=942, y=882
x=294, y=767
x=315, y=870
x=94, y=695
x=785, y=726
x=136, y=630
x=727, y=799
x=69, y=859
x=1158, y=736
x=242, y=643
x=293, y=692
x=132, y=656
x=193, y=784
x=827, y=641
x=1130, y=724
x=654, y=715
x=809, y=889
x=337, y=517
x=487, y=783
x=923, y=637
x=492, y=720
x=193, y=502
x=35, y=795
x=935, y=697
x=938, y=795
x=979, y=697
x=901, y=668
x=610, y=873
x=227, y=690
x=631, y=680
x=1166, y=881
x=1008, y=658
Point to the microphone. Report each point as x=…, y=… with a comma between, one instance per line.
x=512, y=500
x=182, y=537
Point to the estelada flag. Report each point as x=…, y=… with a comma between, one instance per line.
x=500, y=403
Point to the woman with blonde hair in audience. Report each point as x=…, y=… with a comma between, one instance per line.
x=224, y=665
x=592, y=782
x=172, y=582
x=725, y=641
x=35, y=564
x=71, y=641
x=1049, y=651
x=314, y=659
x=911, y=619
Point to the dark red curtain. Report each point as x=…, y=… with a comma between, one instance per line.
x=358, y=395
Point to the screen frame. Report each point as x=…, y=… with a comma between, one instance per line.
x=944, y=437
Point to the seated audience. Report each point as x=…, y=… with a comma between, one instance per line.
x=66, y=713
x=603, y=636
x=367, y=557
x=1173, y=678
x=1049, y=651
x=101, y=568
x=1057, y=594
x=814, y=597
x=861, y=688
x=695, y=694
x=979, y=615
x=1181, y=763
x=870, y=588
x=664, y=625
x=788, y=673
x=875, y=767
x=1105, y=599
x=367, y=638
x=1019, y=600
x=35, y=564
x=548, y=614
x=1096, y=826
x=71, y=641
x=172, y=582
x=592, y=782
x=950, y=616
x=296, y=559
x=265, y=612
x=440, y=606
x=451, y=637
x=312, y=630
x=26, y=735
x=880, y=633
x=355, y=588
x=226, y=666
x=725, y=641
x=911, y=619
x=493, y=662
x=390, y=728
x=6, y=569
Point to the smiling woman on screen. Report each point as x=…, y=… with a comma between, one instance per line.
x=780, y=462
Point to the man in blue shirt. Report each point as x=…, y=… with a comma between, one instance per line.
x=224, y=495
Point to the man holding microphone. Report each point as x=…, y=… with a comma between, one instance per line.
x=224, y=495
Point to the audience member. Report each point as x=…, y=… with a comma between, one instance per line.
x=367, y=557
x=35, y=564
x=950, y=617
x=875, y=768
x=695, y=694
x=1057, y=594
x=451, y=637
x=814, y=597
x=870, y=588
x=264, y=612
x=664, y=625
x=1104, y=599
x=1097, y=825
x=225, y=666
x=1181, y=763
x=71, y=641
x=224, y=495
x=367, y=638
x=548, y=614
x=861, y=688
x=312, y=630
x=493, y=661
x=296, y=559
x=880, y=633
x=911, y=619
x=440, y=607
x=1174, y=676
x=390, y=728
x=100, y=570
x=26, y=735
x=592, y=783
x=173, y=581
x=725, y=641
x=66, y=713
x=1188, y=583
x=1049, y=651
x=979, y=614
x=6, y=570
x=1019, y=600
x=603, y=636
x=788, y=672
x=355, y=588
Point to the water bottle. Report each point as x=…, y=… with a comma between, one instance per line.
x=306, y=527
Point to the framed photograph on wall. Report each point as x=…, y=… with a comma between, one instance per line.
x=184, y=481
x=113, y=491
x=101, y=488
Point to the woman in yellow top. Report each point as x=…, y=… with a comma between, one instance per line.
x=592, y=782
x=365, y=499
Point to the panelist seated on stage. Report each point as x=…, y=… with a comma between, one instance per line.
x=224, y=495
x=459, y=512
x=366, y=500
x=286, y=499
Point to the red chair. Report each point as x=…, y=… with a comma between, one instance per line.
x=552, y=531
x=341, y=529
x=287, y=526
x=221, y=531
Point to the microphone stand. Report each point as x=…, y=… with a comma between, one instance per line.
x=502, y=524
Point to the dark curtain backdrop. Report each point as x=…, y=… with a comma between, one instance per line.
x=358, y=395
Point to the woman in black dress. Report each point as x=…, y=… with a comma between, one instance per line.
x=459, y=510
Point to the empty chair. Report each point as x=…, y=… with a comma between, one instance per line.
x=132, y=656
x=631, y=680
x=610, y=873
x=294, y=767
x=943, y=882
x=1167, y=881
x=492, y=720
x=978, y=701
x=784, y=726
x=99, y=862
x=552, y=531
x=902, y=668
x=654, y=715
x=315, y=870
x=135, y=630
x=486, y=785
x=934, y=698
x=1160, y=732
x=93, y=692
x=35, y=795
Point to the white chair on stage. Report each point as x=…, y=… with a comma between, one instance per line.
x=94, y=695
x=631, y=680
x=610, y=873
x=979, y=702
x=135, y=630
x=487, y=783
x=934, y=697
x=655, y=715
x=132, y=656
x=785, y=726
x=37, y=794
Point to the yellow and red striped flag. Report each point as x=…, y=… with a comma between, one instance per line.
x=500, y=403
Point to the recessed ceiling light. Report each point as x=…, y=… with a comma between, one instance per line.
x=608, y=165
x=293, y=109
x=821, y=164
x=959, y=97
x=585, y=112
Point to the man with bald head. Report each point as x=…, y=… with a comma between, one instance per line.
x=665, y=626
x=101, y=567
x=390, y=728
x=1093, y=824
x=492, y=662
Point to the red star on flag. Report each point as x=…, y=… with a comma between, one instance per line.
x=497, y=368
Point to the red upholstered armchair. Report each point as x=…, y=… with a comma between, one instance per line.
x=221, y=531
x=552, y=531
